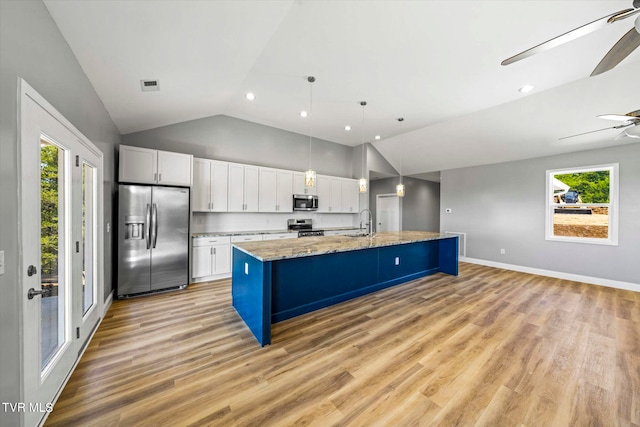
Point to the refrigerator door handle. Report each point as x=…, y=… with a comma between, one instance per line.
x=154, y=219
x=147, y=236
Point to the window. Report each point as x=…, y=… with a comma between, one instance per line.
x=582, y=204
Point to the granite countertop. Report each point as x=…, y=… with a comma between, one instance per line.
x=272, y=250
x=247, y=233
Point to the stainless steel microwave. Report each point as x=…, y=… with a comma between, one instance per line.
x=305, y=202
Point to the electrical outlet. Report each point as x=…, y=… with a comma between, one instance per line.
x=502, y=251
x=1, y=262
x=246, y=268
x=397, y=260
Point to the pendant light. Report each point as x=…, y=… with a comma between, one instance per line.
x=400, y=186
x=310, y=175
x=362, y=183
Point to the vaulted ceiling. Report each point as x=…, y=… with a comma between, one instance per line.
x=435, y=63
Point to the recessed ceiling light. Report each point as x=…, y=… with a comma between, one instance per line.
x=303, y=114
x=377, y=137
x=347, y=128
x=250, y=96
x=525, y=89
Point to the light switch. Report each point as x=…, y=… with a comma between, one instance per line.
x=1, y=262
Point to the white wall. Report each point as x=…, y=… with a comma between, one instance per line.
x=234, y=140
x=503, y=206
x=31, y=47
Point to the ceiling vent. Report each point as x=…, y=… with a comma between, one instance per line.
x=150, y=85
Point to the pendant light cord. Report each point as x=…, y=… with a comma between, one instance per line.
x=363, y=103
x=310, y=79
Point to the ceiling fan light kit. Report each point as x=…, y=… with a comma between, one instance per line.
x=623, y=48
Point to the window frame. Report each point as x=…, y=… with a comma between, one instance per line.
x=613, y=204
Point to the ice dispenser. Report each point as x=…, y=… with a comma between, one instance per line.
x=135, y=228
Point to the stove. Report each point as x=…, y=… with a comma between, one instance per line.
x=304, y=227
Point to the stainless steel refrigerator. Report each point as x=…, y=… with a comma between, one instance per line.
x=153, y=239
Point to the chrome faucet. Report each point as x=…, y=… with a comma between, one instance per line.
x=368, y=224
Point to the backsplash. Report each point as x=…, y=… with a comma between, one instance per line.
x=204, y=222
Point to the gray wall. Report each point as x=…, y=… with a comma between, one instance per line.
x=234, y=140
x=31, y=47
x=503, y=206
x=419, y=208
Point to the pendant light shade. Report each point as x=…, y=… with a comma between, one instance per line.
x=362, y=183
x=310, y=175
x=310, y=178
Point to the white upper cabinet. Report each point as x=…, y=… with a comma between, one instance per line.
x=276, y=190
x=243, y=188
x=138, y=165
x=284, y=196
x=174, y=168
x=350, y=196
x=299, y=187
x=210, y=185
x=145, y=166
x=329, y=194
x=268, y=190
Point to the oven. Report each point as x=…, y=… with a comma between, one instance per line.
x=304, y=227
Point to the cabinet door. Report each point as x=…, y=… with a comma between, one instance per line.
x=324, y=193
x=251, y=189
x=299, y=187
x=268, y=190
x=201, y=185
x=350, y=196
x=219, y=186
x=236, y=187
x=174, y=168
x=222, y=259
x=202, y=261
x=336, y=195
x=138, y=165
x=284, y=197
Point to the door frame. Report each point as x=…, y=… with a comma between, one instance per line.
x=77, y=346
x=389, y=195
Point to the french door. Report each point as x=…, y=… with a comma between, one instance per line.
x=61, y=257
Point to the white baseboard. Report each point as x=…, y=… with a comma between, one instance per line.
x=557, y=274
x=107, y=304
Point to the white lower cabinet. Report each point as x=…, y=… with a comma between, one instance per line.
x=211, y=258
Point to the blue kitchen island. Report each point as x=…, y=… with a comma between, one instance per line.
x=277, y=280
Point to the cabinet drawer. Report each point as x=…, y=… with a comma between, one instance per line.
x=278, y=236
x=208, y=241
x=246, y=238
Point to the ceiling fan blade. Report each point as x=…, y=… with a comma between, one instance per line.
x=586, y=133
x=571, y=35
x=623, y=48
x=632, y=132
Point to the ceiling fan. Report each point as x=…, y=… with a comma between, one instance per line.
x=630, y=124
x=623, y=48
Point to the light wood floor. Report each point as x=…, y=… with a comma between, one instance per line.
x=489, y=347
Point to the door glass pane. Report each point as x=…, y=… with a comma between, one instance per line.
x=88, y=236
x=52, y=243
